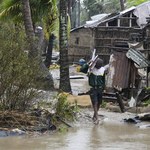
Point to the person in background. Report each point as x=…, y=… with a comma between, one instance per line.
x=96, y=80
x=80, y=64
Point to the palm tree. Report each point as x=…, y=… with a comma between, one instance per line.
x=51, y=24
x=63, y=45
x=33, y=48
x=45, y=11
x=23, y=7
x=14, y=7
x=29, y=28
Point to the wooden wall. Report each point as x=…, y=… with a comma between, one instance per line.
x=105, y=37
x=80, y=44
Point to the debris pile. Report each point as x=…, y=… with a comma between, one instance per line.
x=34, y=121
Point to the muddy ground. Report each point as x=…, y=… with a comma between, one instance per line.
x=109, y=113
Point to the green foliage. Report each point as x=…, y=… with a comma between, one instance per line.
x=94, y=7
x=64, y=109
x=103, y=104
x=62, y=128
x=50, y=20
x=111, y=6
x=54, y=66
x=41, y=10
x=135, y=2
x=147, y=91
x=147, y=102
x=68, y=26
x=12, y=9
x=17, y=73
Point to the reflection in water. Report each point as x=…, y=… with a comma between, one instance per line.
x=78, y=140
x=101, y=137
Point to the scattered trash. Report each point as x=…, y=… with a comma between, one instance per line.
x=145, y=126
x=132, y=102
x=144, y=116
x=132, y=120
x=139, y=118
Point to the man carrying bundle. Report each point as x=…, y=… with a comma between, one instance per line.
x=96, y=79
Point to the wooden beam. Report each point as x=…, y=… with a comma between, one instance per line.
x=130, y=21
x=118, y=22
x=128, y=17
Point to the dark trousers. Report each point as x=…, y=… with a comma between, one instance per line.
x=96, y=95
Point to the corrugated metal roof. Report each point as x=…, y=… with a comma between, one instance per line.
x=119, y=14
x=127, y=10
x=96, y=20
x=100, y=18
x=80, y=27
x=138, y=58
x=108, y=17
x=142, y=12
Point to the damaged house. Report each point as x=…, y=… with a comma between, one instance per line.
x=121, y=40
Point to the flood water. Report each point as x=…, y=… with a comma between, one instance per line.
x=106, y=136
x=110, y=134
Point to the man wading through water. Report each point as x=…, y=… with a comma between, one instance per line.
x=96, y=79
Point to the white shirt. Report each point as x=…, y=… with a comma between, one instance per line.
x=98, y=72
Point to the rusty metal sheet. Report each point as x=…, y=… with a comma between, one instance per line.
x=122, y=71
x=138, y=58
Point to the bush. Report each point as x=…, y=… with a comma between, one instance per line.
x=17, y=73
x=63, y=108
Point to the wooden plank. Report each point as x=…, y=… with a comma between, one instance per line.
x=120, y=102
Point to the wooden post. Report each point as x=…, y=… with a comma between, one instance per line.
x=118, y=22
x=120, y=102
x=130, y=21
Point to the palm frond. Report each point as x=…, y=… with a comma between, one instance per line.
x=40, y=10
x=10, y=9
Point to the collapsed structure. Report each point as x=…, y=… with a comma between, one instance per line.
x=122, y=40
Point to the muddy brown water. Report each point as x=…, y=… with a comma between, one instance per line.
x=106, y=136
x=111, y=134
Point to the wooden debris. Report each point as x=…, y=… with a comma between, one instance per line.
x=14, y=119
x=25, y=121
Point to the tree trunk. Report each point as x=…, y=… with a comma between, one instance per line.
x=70, y=8
x=63, y=44
x=73, y=13
x=45, y=76
x=49, y=51
x=122, y=5
x=78, y=13
x=29, y=28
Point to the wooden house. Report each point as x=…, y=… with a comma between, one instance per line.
x=103, y=33
x=113, y=35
